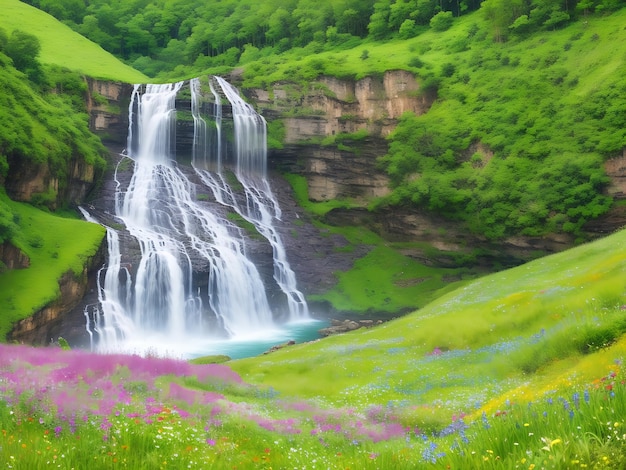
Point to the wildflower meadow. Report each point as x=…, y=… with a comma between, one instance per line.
x=71, y=409
x=522, y=369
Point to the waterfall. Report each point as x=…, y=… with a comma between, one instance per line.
x=181, y=237
x=261, y=208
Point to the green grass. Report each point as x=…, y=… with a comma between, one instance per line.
x=64, y=47
x=55, y=246
x=509, y=329
x=301, y=194
x=384, y=281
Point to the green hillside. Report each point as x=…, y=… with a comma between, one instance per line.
x=509, y=328
x=55, y=246
x=63, y=47
x=516, y=140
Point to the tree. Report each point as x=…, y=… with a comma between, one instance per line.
x=426, y=9
x=501, y=14
x=378, y=26
x=72, y=10
x=407, y=29
x=400, y=11
x=442, y=21
x=23, y=48
x=278, y=26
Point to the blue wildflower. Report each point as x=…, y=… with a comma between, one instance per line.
x=485, y=422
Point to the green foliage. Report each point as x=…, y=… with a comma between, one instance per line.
x=543, y=135
x=24, y=48
x=63, y=344
x=441, y=21
x=8, y=228
x=46, y=128
x=275, y=134
x=38, y=284
x=185, y=37
x=301, y=193
x=249, y=227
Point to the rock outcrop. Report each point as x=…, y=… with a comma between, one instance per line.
x=332, y=108
x=343, y=326
x=12, y=257
x=107, y=104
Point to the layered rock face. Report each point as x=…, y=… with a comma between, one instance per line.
x=333, y=107
x=12, y=257
x=107, y=104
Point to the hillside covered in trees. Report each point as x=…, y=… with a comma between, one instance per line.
x=170, y=38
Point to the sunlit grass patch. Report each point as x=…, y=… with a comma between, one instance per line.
x=55, y=246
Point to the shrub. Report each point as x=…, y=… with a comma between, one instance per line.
x=442, y=21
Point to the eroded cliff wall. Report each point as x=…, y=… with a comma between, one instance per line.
x=340, y=168
x=331, y=107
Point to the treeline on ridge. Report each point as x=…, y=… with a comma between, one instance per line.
x=170, y=38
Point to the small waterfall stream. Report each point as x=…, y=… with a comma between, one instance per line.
x=159, y=303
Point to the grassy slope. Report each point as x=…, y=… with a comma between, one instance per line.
x=387, y=280
x=55, y=245
x=513, y=334
x=62, y=46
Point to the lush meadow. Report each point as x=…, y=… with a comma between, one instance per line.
x=70, y=409
x=520, y=369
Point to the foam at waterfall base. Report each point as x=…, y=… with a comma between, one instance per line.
x=241, y=346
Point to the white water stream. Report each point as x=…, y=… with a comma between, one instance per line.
x=159, y=306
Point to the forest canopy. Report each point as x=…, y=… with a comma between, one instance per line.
x=170, y=38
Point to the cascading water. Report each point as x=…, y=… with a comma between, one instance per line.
x=160, y=300
x=261, y=207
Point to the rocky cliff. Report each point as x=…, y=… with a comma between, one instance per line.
x=342, y=168
x=333, y=107
x=107, y=104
